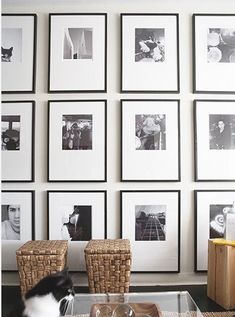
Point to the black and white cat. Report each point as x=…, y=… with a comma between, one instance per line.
x=48, y=298
x=6, y=54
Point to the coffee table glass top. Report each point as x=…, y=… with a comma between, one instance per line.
x=171, y=304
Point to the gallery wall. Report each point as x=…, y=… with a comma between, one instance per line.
x=113, y=186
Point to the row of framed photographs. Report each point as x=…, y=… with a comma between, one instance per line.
x=149, y=218
x=150, y=140
x=149, y=47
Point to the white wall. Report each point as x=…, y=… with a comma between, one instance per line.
x=185, y=8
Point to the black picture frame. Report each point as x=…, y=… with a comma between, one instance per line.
x=172, y=83
x=54, y=70
x=131, y=204
x=26, y=71
x=93, y=203
x=208, y=154
x=28, y=218
x=136, y=164
x=205, y=78
x=26, y=156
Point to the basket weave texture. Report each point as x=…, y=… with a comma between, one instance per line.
x=108, y=264
x=39, y=258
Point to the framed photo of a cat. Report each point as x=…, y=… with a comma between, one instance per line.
x=19, y=32
x=77, y=52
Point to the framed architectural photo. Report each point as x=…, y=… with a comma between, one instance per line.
x=76, y=216
x=149, y=53
x=151, y=220
x=214, y=53
x=214, y=126
x=77, y=52
x=150, y=139
x=77, y=141
x=17, y=125
x=210, y=207
x=19, y=33
x=17, y=224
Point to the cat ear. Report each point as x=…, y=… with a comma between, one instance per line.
x=11, y=48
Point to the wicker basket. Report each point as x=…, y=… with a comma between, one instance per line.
x=37, y=259
x=108, y=264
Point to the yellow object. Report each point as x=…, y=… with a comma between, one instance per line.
x=224, y=242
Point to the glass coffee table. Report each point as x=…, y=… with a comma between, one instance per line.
x=171, y=304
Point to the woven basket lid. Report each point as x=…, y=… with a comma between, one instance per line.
x=108, y=246
x=43, y=247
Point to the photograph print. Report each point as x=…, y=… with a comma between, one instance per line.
x=150, y=219
x=11, y=45
x=10, y=133
x=214, y=129
x=214, y=53
x=211, y=206
x=10, y=229
x=149, y=53
x=78, y=217
x=78, y=43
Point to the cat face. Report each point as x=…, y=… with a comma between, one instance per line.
x=6, y=54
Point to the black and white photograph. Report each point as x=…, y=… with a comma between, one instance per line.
x=77, y=141
x=12, y=45
x=10, y=133
x=150, y=222
x=10, y=228
x=150, y=132
x=150, y=219
x=150, y=53
x=78, y=43
x=213, y=53
x=17, y=144
x=77, y=132
x=221, y=45
x=18, y=48
x=214, y=140
x=17, y=224
x=76, y=223
x=222, y=132
x=210, y=207
x=149, y=45
x=150, y=138
x=77, y=52
x=76, y=216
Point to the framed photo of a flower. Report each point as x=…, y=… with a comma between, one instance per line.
x=77, y=141
x=76, y=216
x=150, y=137
x=214, y=53
x=17, y=224
x=77, y=52
x=210, y=208
x=214, y=129
x=18, y=53
x=150, y=219
x=17, y=147
x=149, y=53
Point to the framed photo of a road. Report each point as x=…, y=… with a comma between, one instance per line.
x=150, y=137
x=214, y=53
x=18, y=39
x=149, y=53
x=150, y=219
x=77, y=141
x=77, y=52
x=214, y=129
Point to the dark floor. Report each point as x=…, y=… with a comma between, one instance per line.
x=11, y=294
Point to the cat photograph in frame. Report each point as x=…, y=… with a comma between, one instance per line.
x=210, y=208
x=77, y=133
x=17, y=148
x=77, y=52
x=17, y=224
x=214, y=53
x=150, y=219
x=214, y=140
x=150, y=138
x=76, y=216
x=150, y=53
x=19, y=32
